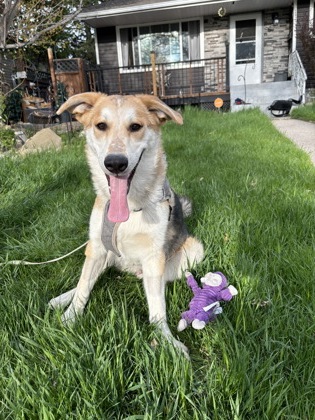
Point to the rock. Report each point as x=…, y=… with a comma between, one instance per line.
x=20, y=139
x=43, y=140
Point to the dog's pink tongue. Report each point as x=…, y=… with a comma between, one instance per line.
x=118, y=207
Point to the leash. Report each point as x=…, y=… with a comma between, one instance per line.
x=22, y=262
x=109, y=232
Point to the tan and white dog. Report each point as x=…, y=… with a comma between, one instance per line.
x=137, y=220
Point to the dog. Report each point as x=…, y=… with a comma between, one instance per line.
x=137, y=222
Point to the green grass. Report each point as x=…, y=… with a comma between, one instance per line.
x=254, y=209
x=306, y=112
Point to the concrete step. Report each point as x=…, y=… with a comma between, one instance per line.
x=262, y=95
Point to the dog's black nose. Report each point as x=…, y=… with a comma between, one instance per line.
x=116, y=163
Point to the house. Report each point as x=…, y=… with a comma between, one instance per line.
x=245, y=49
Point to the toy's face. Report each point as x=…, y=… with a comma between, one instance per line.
x=212, y=279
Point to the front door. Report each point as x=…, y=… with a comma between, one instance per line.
x=246, y=49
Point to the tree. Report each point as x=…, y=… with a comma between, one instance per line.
x=28, y=22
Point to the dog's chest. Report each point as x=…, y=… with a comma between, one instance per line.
x=138, y=238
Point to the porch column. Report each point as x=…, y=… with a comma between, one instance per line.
x=153, y=65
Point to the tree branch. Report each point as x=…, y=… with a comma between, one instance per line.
x=6, y=21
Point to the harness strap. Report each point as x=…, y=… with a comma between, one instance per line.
x=109, y=233
x=109, y=229
x=167, y=191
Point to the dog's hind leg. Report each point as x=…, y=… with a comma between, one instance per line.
x=189, y=254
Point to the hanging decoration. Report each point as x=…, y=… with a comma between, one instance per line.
x=222, y=12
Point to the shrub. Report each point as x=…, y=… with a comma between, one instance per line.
x=7, y=139
x=13, y=106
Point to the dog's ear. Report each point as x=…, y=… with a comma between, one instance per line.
x=79, y=104
x=161, y=110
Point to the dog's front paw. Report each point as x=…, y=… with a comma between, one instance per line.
x=181, y=346
x=178, y=345
x=62, y=301
x=69, y=317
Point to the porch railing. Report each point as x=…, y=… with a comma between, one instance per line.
x=298, y=73
x=167, y=80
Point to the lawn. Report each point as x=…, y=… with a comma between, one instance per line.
x=254, y=210
x=305, y=112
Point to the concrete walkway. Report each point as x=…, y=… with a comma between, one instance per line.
x=302, y=133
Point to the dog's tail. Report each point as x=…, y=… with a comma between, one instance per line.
x=186, y=206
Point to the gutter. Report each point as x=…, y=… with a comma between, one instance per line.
x=167, y=5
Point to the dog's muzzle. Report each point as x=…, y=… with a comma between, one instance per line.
x=116, y=163
x=119, y=184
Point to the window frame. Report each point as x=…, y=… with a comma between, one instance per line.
x=139, y=67
x=253, y=41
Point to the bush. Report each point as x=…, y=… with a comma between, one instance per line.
x=7, y=139
x=3, y=118
x=13, y=106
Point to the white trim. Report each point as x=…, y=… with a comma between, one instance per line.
x=118, y=40
x=294, y=23
x=311, y=14
x=167, y=66
x=140, y=8
x=97, y=51
x=118, y=46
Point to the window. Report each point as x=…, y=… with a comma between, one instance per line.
x=245, y=41
x=172, y=42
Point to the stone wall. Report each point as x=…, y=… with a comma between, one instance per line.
x=216, y=35
x=277, y=45
x=216, y=32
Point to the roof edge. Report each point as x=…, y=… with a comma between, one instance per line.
x=140, y=8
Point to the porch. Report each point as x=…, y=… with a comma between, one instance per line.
x=194, y=82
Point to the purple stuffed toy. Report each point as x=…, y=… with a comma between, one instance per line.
x=205, y=304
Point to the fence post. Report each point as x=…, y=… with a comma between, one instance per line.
x=52, y=73
x=153, y=65
x=82, y=75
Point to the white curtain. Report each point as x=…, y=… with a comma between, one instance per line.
x=124, y=46
x=194, y=39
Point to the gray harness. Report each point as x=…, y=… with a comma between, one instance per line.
x=109, y=229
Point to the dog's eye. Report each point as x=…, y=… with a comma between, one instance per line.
x=135, y=127
x=101, y=126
